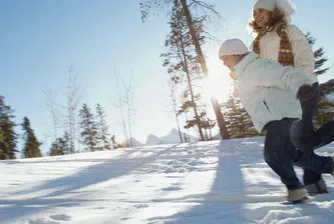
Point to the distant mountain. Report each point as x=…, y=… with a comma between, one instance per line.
x=153, y=140
x=174, y=137
x=134, y=143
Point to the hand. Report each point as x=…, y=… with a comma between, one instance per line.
x=305, y=92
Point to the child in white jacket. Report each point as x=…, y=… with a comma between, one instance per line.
x=271, y=94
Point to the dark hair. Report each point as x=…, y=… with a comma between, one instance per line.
x=276, y=19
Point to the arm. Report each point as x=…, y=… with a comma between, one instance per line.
x=301, y=49
x=269, y=73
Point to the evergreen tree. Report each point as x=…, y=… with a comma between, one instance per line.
x=324, y=112
x=320, y=59
x=181, y=59
x=193, y=14
x=66, y=143
x=61, y=146
x=31, y=146
x=56, y=149
x=115, y=144
x=238, y=122
x=8, y=138
x=103, y=134
x=89, y=128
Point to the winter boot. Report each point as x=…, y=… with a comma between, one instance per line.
x=318, y=187
x=296, y=195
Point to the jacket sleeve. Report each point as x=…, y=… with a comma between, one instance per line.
x=301, y=49
x=272, y=74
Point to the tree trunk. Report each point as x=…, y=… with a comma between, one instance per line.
x=219, y=115
x=220, y=119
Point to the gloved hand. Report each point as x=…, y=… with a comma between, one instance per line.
x=305, y=92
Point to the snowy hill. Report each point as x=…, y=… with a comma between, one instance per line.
x=207, y=182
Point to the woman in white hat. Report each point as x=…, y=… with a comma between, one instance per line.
x=280, y=41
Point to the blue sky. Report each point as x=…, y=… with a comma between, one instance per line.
x=40, y=39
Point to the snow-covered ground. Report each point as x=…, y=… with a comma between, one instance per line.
x=199, y=183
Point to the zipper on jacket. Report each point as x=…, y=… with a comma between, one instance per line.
x=264, y=102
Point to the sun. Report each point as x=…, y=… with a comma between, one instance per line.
x=217, y=84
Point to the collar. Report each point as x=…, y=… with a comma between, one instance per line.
x=240, y=67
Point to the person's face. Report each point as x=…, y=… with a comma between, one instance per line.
x=230, y=60
x=261, y=17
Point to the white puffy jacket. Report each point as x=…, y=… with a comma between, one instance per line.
x=301, y=49
x=268, y=90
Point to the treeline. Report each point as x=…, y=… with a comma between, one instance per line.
x=93, y=134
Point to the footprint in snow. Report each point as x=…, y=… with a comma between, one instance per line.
x=171, y=189
x=141, y=206
x=61, y=217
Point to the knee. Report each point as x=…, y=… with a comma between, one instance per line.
x=270, y=156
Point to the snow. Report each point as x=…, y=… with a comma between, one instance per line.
x=194, y=183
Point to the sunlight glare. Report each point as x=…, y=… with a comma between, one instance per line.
x=218, y=83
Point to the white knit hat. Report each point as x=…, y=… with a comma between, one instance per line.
x=232, y=47
x=285, y=5
x=269, y=5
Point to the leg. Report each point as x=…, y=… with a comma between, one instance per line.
x=303, y=136
x=306, y=124
x=324, y=135
x=314, y=186
x=276, y=156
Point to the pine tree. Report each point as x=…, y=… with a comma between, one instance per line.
x=66, y=143
x=320, y=59
x=181, y=59
x=103, y=134
x=31, y=146
x=238, y=121
x=8, y=137
x=172, y=82
x=194, y=22
x=324, y=112
x=61, y=146
x=89, y=128
x=56, y=149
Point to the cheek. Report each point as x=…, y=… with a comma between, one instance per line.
x=233, y=62
x=266, y=16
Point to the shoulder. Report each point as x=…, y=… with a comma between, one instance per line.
x=264, y=64
x=294, y=31
x=292, y=27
